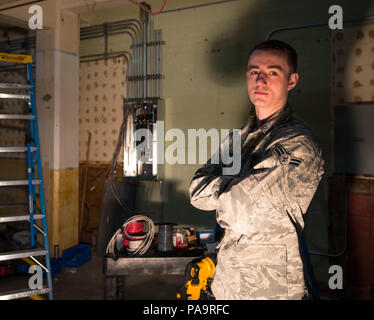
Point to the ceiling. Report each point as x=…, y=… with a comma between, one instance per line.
x=87, y=7
x=10, y=24
x=82, y=7
x=3, y=2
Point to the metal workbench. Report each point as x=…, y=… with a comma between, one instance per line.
x=115, y=271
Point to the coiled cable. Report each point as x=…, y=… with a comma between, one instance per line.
x=147, y=238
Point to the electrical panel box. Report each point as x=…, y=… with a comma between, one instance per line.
x=354, y=139
x=141, y=146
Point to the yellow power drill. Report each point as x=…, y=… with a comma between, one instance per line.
x=198, y=276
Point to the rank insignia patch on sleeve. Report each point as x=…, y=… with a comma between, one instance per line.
x=285, y=157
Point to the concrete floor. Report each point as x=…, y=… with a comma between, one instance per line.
x=87, y=283
x=83, y=283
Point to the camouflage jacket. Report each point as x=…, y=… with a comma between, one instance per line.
x=281, y=167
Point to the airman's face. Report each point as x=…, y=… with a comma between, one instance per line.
x=269, y=79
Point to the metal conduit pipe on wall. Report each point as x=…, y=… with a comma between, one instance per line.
x=121, y=23
x=160, y=63
x=111, y=55
x=131, y=27
x=145, y=39
x=305, y=26
x=145, y=62
x=152, y=54
x=107, y=31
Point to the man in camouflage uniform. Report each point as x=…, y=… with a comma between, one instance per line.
x=262, y=207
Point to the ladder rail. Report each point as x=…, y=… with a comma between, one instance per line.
x=31, y=191
x=36, y=143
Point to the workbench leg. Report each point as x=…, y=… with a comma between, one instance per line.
x=121, y=283
x=114, y=288
x=110, y=288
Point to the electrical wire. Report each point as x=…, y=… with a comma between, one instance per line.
x=148, y=11
x=110, y=173
x=111, y=244
x=147, y=239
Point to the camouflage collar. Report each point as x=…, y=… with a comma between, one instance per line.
x=274, y=118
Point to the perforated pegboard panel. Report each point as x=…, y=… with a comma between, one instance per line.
x=353, y=64
x=13, y=132
x=102, y=90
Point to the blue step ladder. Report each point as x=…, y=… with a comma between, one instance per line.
x=34, y=177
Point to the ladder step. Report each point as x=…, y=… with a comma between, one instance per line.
x=18, y=183
x=14, y=96
x=11, y=255
x=18, y=217
x=14, y=86
x=23, y=293
x=14, y=204
x=17, y=149
x=17, y=116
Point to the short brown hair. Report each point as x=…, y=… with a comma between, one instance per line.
x=282, y=47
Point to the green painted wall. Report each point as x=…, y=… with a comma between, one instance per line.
x=204, y=63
